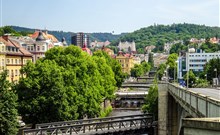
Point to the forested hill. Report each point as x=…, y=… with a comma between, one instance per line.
x=60, y=34
x=160, y=34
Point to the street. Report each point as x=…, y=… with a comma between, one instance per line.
x=214, y=93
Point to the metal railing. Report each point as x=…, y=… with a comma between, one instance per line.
x=195, y=103
x=85, y=121
x=110, y=124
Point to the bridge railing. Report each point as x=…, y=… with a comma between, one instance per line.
x=96, y=127
x=201, y=105
x=83, y=121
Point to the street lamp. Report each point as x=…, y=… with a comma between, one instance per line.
x=215, y=72
x=206, y=76
x=174, y=78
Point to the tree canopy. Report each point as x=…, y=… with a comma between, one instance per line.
x=139, y=70
x=67, y=84
x=212, y=69
x=8, y=105
x=159, y=34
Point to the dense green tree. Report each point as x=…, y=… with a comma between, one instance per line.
x=8, y=104
x=172, y=64
x=140, y=70
x=137, y=71
x=160, y=71
x=151, y=59
x=151, y=100
x=159, y=34
x=115, y=65
x=146, y=66
x=8, y=30
x=107, y=79
x=212, y=69
x=192, y=78
x=67, y=84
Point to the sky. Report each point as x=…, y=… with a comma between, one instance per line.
x=107, y=15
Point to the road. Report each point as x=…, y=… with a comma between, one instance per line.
x=214, y=93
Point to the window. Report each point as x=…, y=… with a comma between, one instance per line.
x=8, y=61
x=43, y=48
x=16, y=61
x=3, y=48
x=38, y=48
x=32, y=48
x=12, y=62
x=16, y=72
x=12, y=73
x=28, y=48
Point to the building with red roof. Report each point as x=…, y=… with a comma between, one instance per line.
x=15, y=58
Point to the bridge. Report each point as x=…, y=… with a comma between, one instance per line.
x=130, y=99
x=131, y=123
x=136, y=85
x=177, y=106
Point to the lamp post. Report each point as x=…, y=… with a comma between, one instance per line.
x=215, y=77
x=215, y=72
x=206, y=76
x=187, y=85
x=167, y=73
x=174, y=78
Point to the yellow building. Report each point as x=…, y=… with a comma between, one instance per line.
x=126, y=61
x=16, y=57
x=2, y=55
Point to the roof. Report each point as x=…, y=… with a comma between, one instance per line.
x=13, y=43
x=45, y=35
x=21, y=49
x=85, y=49
x=5, y=42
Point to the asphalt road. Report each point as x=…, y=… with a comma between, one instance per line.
x=214, y=93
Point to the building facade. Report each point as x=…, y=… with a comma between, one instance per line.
x=15, y=58
x=127, y=47
x=194, y=61
x=2, y=55
x=80, y=39
x=126, y=61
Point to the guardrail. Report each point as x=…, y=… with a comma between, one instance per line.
x=198, y=104
x=122, y=124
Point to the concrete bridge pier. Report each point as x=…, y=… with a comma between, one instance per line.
x=170, y=113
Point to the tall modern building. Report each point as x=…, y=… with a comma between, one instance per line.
x=194, y=61
x=80, y=39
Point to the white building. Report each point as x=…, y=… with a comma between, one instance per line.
x=194, y=61
x=128, y=47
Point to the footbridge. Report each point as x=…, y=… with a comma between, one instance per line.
x=106, y=125
x=136, y=85
x=177, y=106
x=129, y=99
